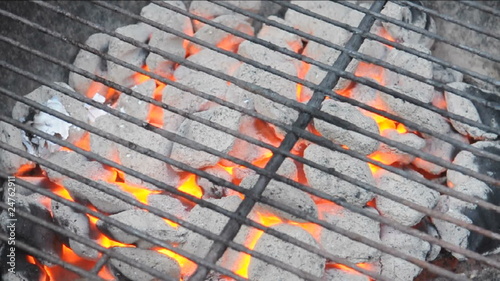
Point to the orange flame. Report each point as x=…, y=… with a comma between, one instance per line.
x=385, y=34
x=187, y=266
x=301, y=73
x=155, y=116
x=190, y=186
x=229, y=43
x=83, y=143
x=345, y=268
x=267, y=220
x=96, y=88
x=140, y=78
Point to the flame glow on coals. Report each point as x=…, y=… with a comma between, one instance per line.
x=243, y=263
x=366, y=266
x=189, y=185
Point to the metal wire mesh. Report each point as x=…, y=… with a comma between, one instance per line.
x=294, y=132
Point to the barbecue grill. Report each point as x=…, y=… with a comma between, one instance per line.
x=294, y=137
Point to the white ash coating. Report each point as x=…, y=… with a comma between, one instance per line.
x=167, y=204
x=168, y=43
x=145, y=222
x=344, y=247
x=451, y=232
x=76, y=163
x=446, y=75
x=465, y=108
x=364, y=94
x=215, y=61
x=72, y=107
x=77, y=223
x=416, y=114
x=337, y=274
x=196, y=80
x=279, y=36
x=331, y=33
x=438, y=148
x=210, y=189
x=468, y=186
x=210, y=220
x=396, y=268
x=207, y=136
x=286, y=195
x=281, y=86
x=468, y=160
x=287, y=253
x=89, y=62
x=341, y=163
x=396, y=155
x=245, y=150
x=404, y=84
x=103, y=201
x=210, y=10
x=127, y=52
x=406, y=189
x=81, y=192
x=288, y=169
x=136, y=107
x=318, y=27
x=214, y=36
x=10, y=162
x=148, y=258
x=416, y=18
x=354, y=140
x=165, y=41
x=132, y=159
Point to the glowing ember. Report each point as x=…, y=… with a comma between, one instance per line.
x=155, y=116
x=302, y=71
x=190, y=186
x=345, y=268
x=243, y=262
x=187, y=266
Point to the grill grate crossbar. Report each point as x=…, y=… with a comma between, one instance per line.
x=448, y=18
x=481, y=7
x=424, y=32
x=266, y=174
x=271, y=95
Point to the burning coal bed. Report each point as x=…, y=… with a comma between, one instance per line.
x=178, y=267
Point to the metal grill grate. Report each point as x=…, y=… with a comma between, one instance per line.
x=294, y=133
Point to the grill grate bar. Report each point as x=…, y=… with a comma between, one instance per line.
x=423, y=31
x=481, y=7
x=282, y=153
x=201, y=231
x=353, y=236
x=91, y=155
x=280, y=178
x=233, y=226
x=341, y=123
x=320, y=141
x=100, y=263
x=352, y=53
x=369, y=36
x=83, y=240
x=102, y=217
x=441, y=187
x=282, y=236
x=272, y=96
x=448, y=18
x=31, y=250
